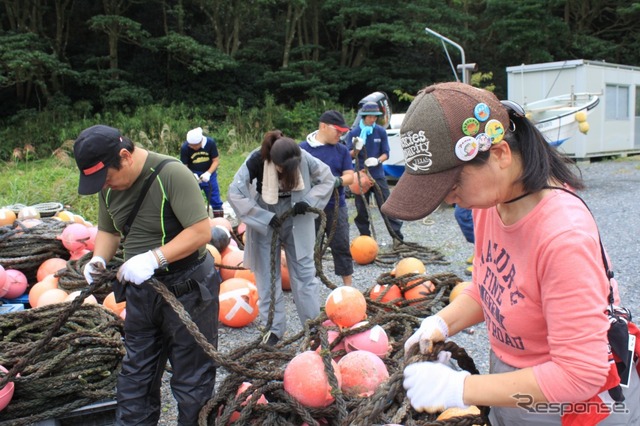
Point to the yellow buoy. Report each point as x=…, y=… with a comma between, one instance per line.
x=584, y=127
x=581, y=116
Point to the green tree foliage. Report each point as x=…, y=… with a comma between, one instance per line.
x=77, y=61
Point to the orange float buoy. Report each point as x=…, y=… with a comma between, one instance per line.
x=364, y=249
x=74, y=237
x=110, y=303
x=379, y=293
x=217, y=257
x=65, y=216
x=374, y=340
x=90, y=299
x=16, y=283
x=6, y=393
x=410, y=265
x=365, y=182
x=51, y=297
x=243, y=387
x=306, y=380
x=284, y=272
x=458, y=289
x=247, y=274
x=49, y=282
x=7, y=217
x=3, y=282
x=362, y=372
x=232, y=258
x=332, y=334
x=49, y=267
x=28, y=213
x=238, y=302
x=346, y=306
x=418, y=291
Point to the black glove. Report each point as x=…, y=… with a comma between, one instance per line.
x=300, y=207
x=338, y=182
x=275, y=222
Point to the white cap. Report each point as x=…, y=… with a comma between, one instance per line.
x=194, y=136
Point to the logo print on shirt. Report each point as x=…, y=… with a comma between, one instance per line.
x=415, y=146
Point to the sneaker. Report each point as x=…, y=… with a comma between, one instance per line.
x=270, y=339
x=470, y=260
x=469, y=270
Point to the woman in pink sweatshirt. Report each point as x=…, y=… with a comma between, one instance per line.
x=539, y=282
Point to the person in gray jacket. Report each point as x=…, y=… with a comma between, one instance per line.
x=274, y=179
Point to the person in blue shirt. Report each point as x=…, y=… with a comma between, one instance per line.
x=465, y=222
x=323, y=144
x=368, y=143
x=200, y=154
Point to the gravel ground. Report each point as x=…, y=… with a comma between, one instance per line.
x=612, y=194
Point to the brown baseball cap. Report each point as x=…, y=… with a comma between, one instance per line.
x=445, y=126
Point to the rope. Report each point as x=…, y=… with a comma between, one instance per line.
x=25, y=248
x=45, y=209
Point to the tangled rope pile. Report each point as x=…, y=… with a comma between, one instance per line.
x=61, y=357
x=25, y=248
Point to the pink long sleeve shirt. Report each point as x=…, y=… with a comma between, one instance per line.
x=543, y=290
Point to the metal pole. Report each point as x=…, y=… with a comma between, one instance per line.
x=457, y=46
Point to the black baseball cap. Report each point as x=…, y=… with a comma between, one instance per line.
x=95, y=149
x=334, y=118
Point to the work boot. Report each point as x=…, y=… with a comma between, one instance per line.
x=270, y=339
x=218, y=213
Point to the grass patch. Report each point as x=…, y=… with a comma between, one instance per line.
x=56, y=180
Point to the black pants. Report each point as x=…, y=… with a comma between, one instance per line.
x=362, y=218
x=153, y=334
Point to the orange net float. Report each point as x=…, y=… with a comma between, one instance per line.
x=374, y=340
x=332, y=334
x=346, y=306
x=51, y=297
x=362, y=373
x=243, y=387
x=238, y=302
x=7, y=217
x=364, y=249
x=110, y=303
x=364, y=181
x=6, y=393
x=233, y=258
x=50, y=267
x=49, y=282
x=379, y=293
x=16, y=284
x=305, y=379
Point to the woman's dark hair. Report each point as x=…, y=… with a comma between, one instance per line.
x=540, y=161
x=285, y=153
x=126, y=144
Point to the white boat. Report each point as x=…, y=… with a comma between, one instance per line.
x=394, y=166
x=556, y=117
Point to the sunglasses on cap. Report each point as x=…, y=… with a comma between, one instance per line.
x=513, y=108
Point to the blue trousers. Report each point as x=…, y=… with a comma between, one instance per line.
x=213, y=191
x=465, y=222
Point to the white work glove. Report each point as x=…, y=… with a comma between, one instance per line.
x=205, y=177
x=434, y=387
x=91, y=267
x=139, y=268
x=195, y=175
x=432, y=329
x=358, y=143
x=371, y=162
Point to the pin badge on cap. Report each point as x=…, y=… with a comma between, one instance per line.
x=482, y=111
x=466, y=148
x=484, y=141
x=470, y=126
x=495, y=130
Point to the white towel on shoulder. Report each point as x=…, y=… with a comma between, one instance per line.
x=270, y=183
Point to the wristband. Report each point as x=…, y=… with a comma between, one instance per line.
x=162, y=261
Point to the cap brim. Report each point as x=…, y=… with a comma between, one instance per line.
x=342, y=128
x=91, y=184
x=417, y=196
